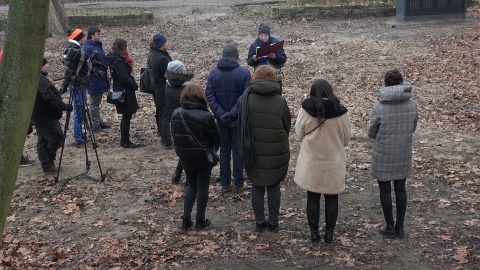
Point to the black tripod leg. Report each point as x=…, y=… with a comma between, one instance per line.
x=65, y=128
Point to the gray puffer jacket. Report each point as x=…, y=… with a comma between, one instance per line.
x=393, y=121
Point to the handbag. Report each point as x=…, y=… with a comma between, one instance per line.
x=210, y=153
x=116, y=97
x=147, y=83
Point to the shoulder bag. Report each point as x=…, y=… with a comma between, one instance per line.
x=147, y=84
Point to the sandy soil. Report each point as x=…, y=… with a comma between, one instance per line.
x=132, y=219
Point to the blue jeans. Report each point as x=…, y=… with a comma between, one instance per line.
x=229, y=146
x=78, y=100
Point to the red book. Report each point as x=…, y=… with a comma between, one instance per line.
x=273, y=48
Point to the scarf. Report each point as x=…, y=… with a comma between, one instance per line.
x=126, y=57
x=246, y=142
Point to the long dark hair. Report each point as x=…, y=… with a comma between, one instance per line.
x=320, y=90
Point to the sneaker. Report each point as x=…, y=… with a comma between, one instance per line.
x=242, y=188
x=105, y=126
x=202, y=223
x=24, y=161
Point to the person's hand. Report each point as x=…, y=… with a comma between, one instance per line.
x=63, y=89
x=226, y=118
x=272, y=55
x=255, y=58
x=69, y=108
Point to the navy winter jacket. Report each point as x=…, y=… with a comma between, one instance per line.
x=277, y=62
x=97, y=85
x=226, y=83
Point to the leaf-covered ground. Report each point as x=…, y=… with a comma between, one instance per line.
x=131, y=221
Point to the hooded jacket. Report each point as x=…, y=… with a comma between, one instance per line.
x=321, y=163
x=176, y=81
x=270, y=121
x=201, y=122
x=226, y=83
x=98, y=82
x=278, y=62
x=123, y=81
x=392, y=124
x=48, y=103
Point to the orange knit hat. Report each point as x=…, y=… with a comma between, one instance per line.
x=77, y=34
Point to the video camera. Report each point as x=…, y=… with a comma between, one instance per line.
x=81, y=65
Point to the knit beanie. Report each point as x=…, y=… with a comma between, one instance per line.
x=264, y=29
x=44, y=61
x=159, y=40
x=230, y=51
x=176, y=66
x=77, y=34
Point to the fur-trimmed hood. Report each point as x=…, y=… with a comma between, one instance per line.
x=179, y=78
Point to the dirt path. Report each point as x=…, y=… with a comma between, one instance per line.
x=131, y=220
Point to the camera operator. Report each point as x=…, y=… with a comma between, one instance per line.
x=98, y=81
x=76, y=80
x=46, y=114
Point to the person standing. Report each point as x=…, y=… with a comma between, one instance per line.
x=98, y=81
x=225, y=84
x=392, y=124
x=76, y=79
x=194, y=129
x=323, y=129
x=47, y=111
x=276, y=60
x=265, y=124
x=178, y=76
x=121, y=68
x=158, y=60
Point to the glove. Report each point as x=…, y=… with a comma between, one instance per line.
x=63, y=89
x=226, y=117
x=69, y=108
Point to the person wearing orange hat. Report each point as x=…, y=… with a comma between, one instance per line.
x=76, y=80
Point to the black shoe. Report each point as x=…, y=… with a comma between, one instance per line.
x=388, y=231
x=328, y=236
x=98, y=130
x=399, y=232
x=129, y=144
x=25, y=161
x=202, y=223
x=186, y=223
x=315, y=236
x=176, y=176
x=273, y=228
x=105, y=126
x=260, y=227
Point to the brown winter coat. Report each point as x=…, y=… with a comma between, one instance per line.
x=321, y=162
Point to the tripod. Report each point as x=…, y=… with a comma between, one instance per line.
x=77, y=98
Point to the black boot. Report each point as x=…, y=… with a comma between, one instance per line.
x=176, y=176
x=388, y=230
x=330, y=222
x=260, y=227
x=202, y=223
x=399, y=231
x=186, y=223
x=315, y=236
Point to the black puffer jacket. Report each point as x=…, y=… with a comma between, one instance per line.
x=175, y=85
x=48, y=103
x=201, y=122
x=123, y=81
x=159, y=61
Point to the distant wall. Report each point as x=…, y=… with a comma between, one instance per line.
x=143, y=18
x=333, y=11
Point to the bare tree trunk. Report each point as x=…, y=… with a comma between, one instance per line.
x=19, y=77
x=57, y=20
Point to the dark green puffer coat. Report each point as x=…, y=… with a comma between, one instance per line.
x=271, y=119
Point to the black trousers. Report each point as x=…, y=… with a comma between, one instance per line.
x=400, y=200
x=198, y=184
x=313, y=210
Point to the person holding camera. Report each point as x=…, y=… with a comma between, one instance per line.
x=47, y=111
x=98, y=81
x=76, y=81
x=121, y=68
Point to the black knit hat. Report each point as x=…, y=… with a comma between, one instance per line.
x=264, y=29
x=230, y=51
x=44, y=61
